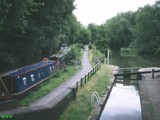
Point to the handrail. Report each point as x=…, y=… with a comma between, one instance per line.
x=95, y=95
x=132, y=73
x=129, y=68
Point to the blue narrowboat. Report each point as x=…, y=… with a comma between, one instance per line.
x=17, y=82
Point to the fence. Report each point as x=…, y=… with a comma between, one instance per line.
x=80, y=83
x=139, y=73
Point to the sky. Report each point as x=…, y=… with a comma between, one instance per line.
x=98, y=11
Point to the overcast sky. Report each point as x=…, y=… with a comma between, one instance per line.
x=98, y=11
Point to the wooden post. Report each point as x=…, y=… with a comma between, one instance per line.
x=85, y=77
x=81, y=82
x=139, y=76
x=95, y=68
x=152, y=73
x=92, y=72
x=88, y=75
x=126, y=78
x=74, y=93
x=77, y=86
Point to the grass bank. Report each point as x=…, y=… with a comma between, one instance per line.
x=48, y=86
x=81, y=108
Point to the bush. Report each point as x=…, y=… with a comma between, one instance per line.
x=73, y=54
x=97, y=53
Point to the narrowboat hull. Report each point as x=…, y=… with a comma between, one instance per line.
x=18, y=82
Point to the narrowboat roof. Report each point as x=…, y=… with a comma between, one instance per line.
x=25, y=69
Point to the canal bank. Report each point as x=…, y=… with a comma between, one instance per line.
x=150, y=98
x=99, y=105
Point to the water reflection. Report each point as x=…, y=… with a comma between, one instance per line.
x=123, y=104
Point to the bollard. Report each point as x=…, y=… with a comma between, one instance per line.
x=152, y=73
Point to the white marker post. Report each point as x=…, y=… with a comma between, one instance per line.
x=108, y=57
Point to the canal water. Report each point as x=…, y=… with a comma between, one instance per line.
x=123, y=104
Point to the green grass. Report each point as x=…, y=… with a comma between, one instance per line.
x=81, y=107
x=48, y=86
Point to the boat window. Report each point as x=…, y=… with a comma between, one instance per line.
x=24, y=80
x=53, y=67
x=50, y=69
x=42, y=73
x=32, y=77
x=39, y=75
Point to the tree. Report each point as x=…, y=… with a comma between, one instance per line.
x=84, y=36
x=119, y=30
x=99, y=36
x=31, y=27
x=146, y=31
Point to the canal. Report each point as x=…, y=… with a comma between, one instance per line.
x=123, y=103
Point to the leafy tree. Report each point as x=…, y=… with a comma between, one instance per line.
x=84, y=36
x=146, y=31
x=30, y=28
x=94, y=29
x=99, y=36
x=119, y=30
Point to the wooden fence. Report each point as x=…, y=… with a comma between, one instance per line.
x=82, y=81
x=138, y=74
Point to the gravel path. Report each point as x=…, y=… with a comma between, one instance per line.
x=68, y=83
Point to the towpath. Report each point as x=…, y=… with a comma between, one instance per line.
x=86, y=67
x=150, y=97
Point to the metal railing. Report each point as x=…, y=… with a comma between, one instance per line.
x=95, y=95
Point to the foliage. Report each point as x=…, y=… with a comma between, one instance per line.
x=127, y=52
x=119, y=30
x=84, y=36
x=99, y=37
x=138, y=31
x=32, y=29
x=73, y=54
x=147, y=31
x=97, y=53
